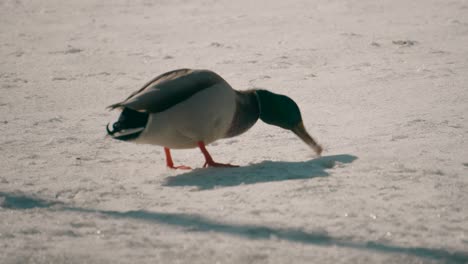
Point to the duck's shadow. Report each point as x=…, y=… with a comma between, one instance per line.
x=266, y=171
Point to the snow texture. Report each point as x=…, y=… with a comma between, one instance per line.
x=382, y=85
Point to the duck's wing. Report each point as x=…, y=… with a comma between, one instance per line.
x=169, y=89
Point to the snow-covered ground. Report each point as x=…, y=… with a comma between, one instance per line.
x=382, y=85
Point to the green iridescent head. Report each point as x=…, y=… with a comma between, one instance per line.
x=280, y=110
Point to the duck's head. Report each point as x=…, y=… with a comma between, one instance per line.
x=280, y=110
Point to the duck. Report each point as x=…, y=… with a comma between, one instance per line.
x=190, y=108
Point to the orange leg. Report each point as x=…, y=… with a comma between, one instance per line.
x=170, y=163
x=209, y=162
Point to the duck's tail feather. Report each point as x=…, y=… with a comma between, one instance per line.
x=130, y=124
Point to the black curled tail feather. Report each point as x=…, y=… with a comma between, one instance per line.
x=130, y=118
x=129, y=126
x=109, y=132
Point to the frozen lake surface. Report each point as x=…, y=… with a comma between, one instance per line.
x=382, y=85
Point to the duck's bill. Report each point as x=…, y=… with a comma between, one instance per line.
x=302, y=133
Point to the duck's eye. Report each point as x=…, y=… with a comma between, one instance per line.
x=116, y=126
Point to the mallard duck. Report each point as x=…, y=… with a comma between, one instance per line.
x=189, y=108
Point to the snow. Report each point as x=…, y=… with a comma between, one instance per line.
x=382, y=85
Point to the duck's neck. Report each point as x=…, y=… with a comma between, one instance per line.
x=247, y=112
